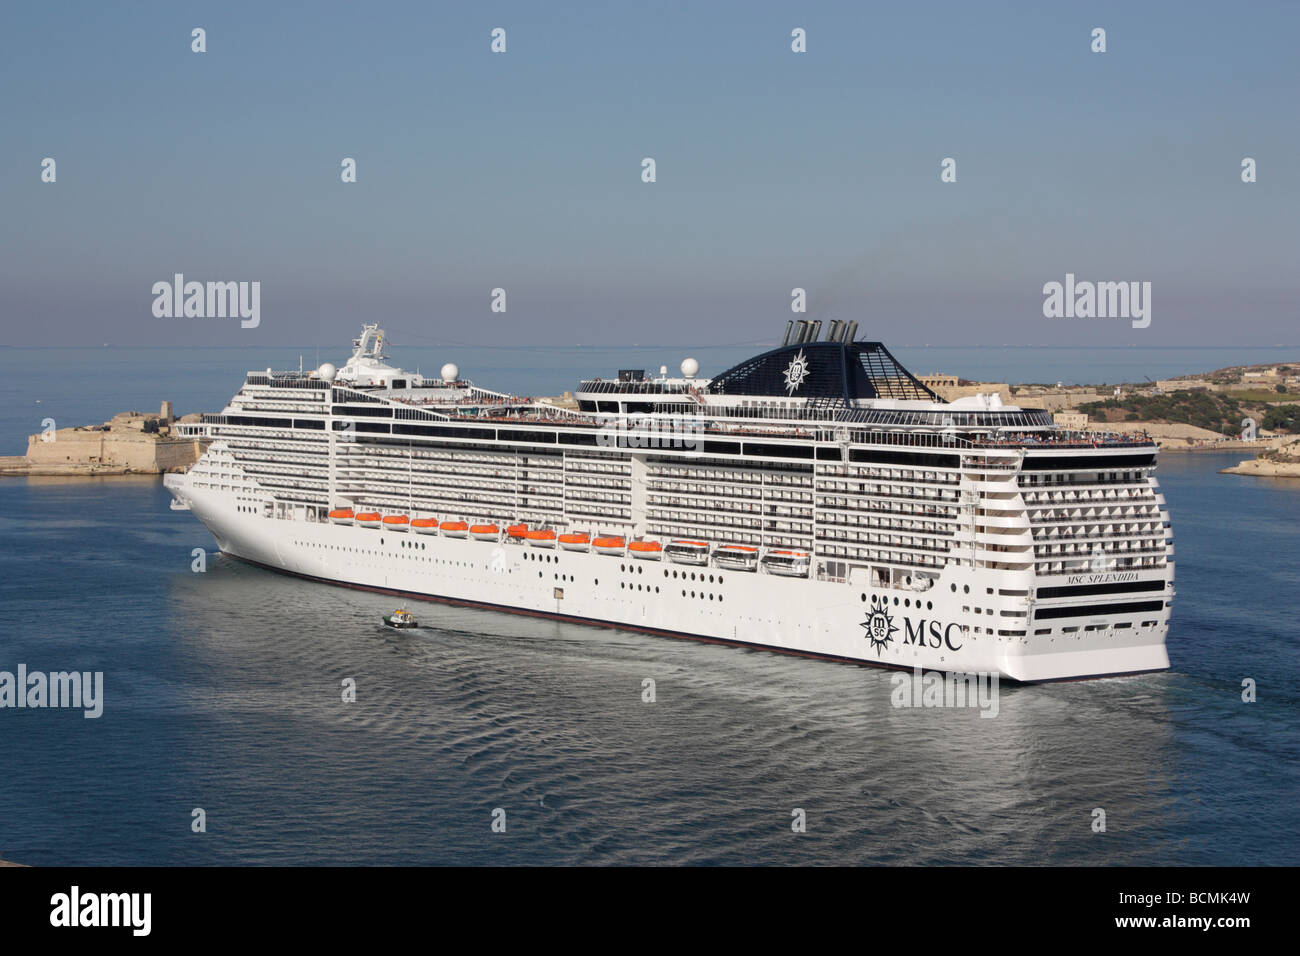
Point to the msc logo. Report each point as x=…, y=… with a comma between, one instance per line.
x=796, y=372
x=881, y=629
x=880, y=626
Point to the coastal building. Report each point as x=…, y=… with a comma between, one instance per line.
x=1074, y=421
x=128, y=443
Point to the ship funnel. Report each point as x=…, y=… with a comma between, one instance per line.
x=850, y=331
x=833, y=333
x=814, y=331
x=789, y=327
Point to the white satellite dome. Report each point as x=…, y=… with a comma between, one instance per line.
x=327, y=372
x=450, y=372
x=690, y=368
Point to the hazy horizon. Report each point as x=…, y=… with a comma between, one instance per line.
x=775, y=170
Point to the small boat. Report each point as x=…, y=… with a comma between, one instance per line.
x=342, y=515
x=541, y=538
x=611, y=544
x=369, y=519
x=791, y=564
x=681, y=551
x=485, y=532
x=454, y=529
x=397, y=522
x=424, y=525
x=736, y=557
x=517, y=531
x=401, y=618
x=646, y=550
x=575, y=541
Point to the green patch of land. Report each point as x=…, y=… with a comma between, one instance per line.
x=1221, y=412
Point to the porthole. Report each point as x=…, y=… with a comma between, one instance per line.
x=895, y=602
x=965, y=588
x=864, y=597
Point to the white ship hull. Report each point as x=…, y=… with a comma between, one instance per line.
x=798, y=616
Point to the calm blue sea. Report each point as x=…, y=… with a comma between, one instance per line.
x=222, y=692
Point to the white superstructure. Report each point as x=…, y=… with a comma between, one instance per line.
x=815, y=499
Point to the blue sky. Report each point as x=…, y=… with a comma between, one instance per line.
x=522, y=170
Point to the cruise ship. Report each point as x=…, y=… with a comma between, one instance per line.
x=816, y=499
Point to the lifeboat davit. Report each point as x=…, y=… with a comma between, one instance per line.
x=737, y=557
x=575, y=541
x=610, y=545
x=541, y=538
x=646, y=550
x=369, y=519
x=342, y=515
x=425, y=525
x=683, y=551
x=397, y=522
x=517, y=531
x=485, y=532
x=454, y=529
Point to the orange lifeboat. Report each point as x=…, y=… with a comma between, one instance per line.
x=517, y=531
x=397, y=522
x=342, y=515
x=646, y=550
x=425, y=525
x=541, y=538
x=369, y=519
x=575, y=541
x=454, y=529
x=610, y=545
x=485, y=532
